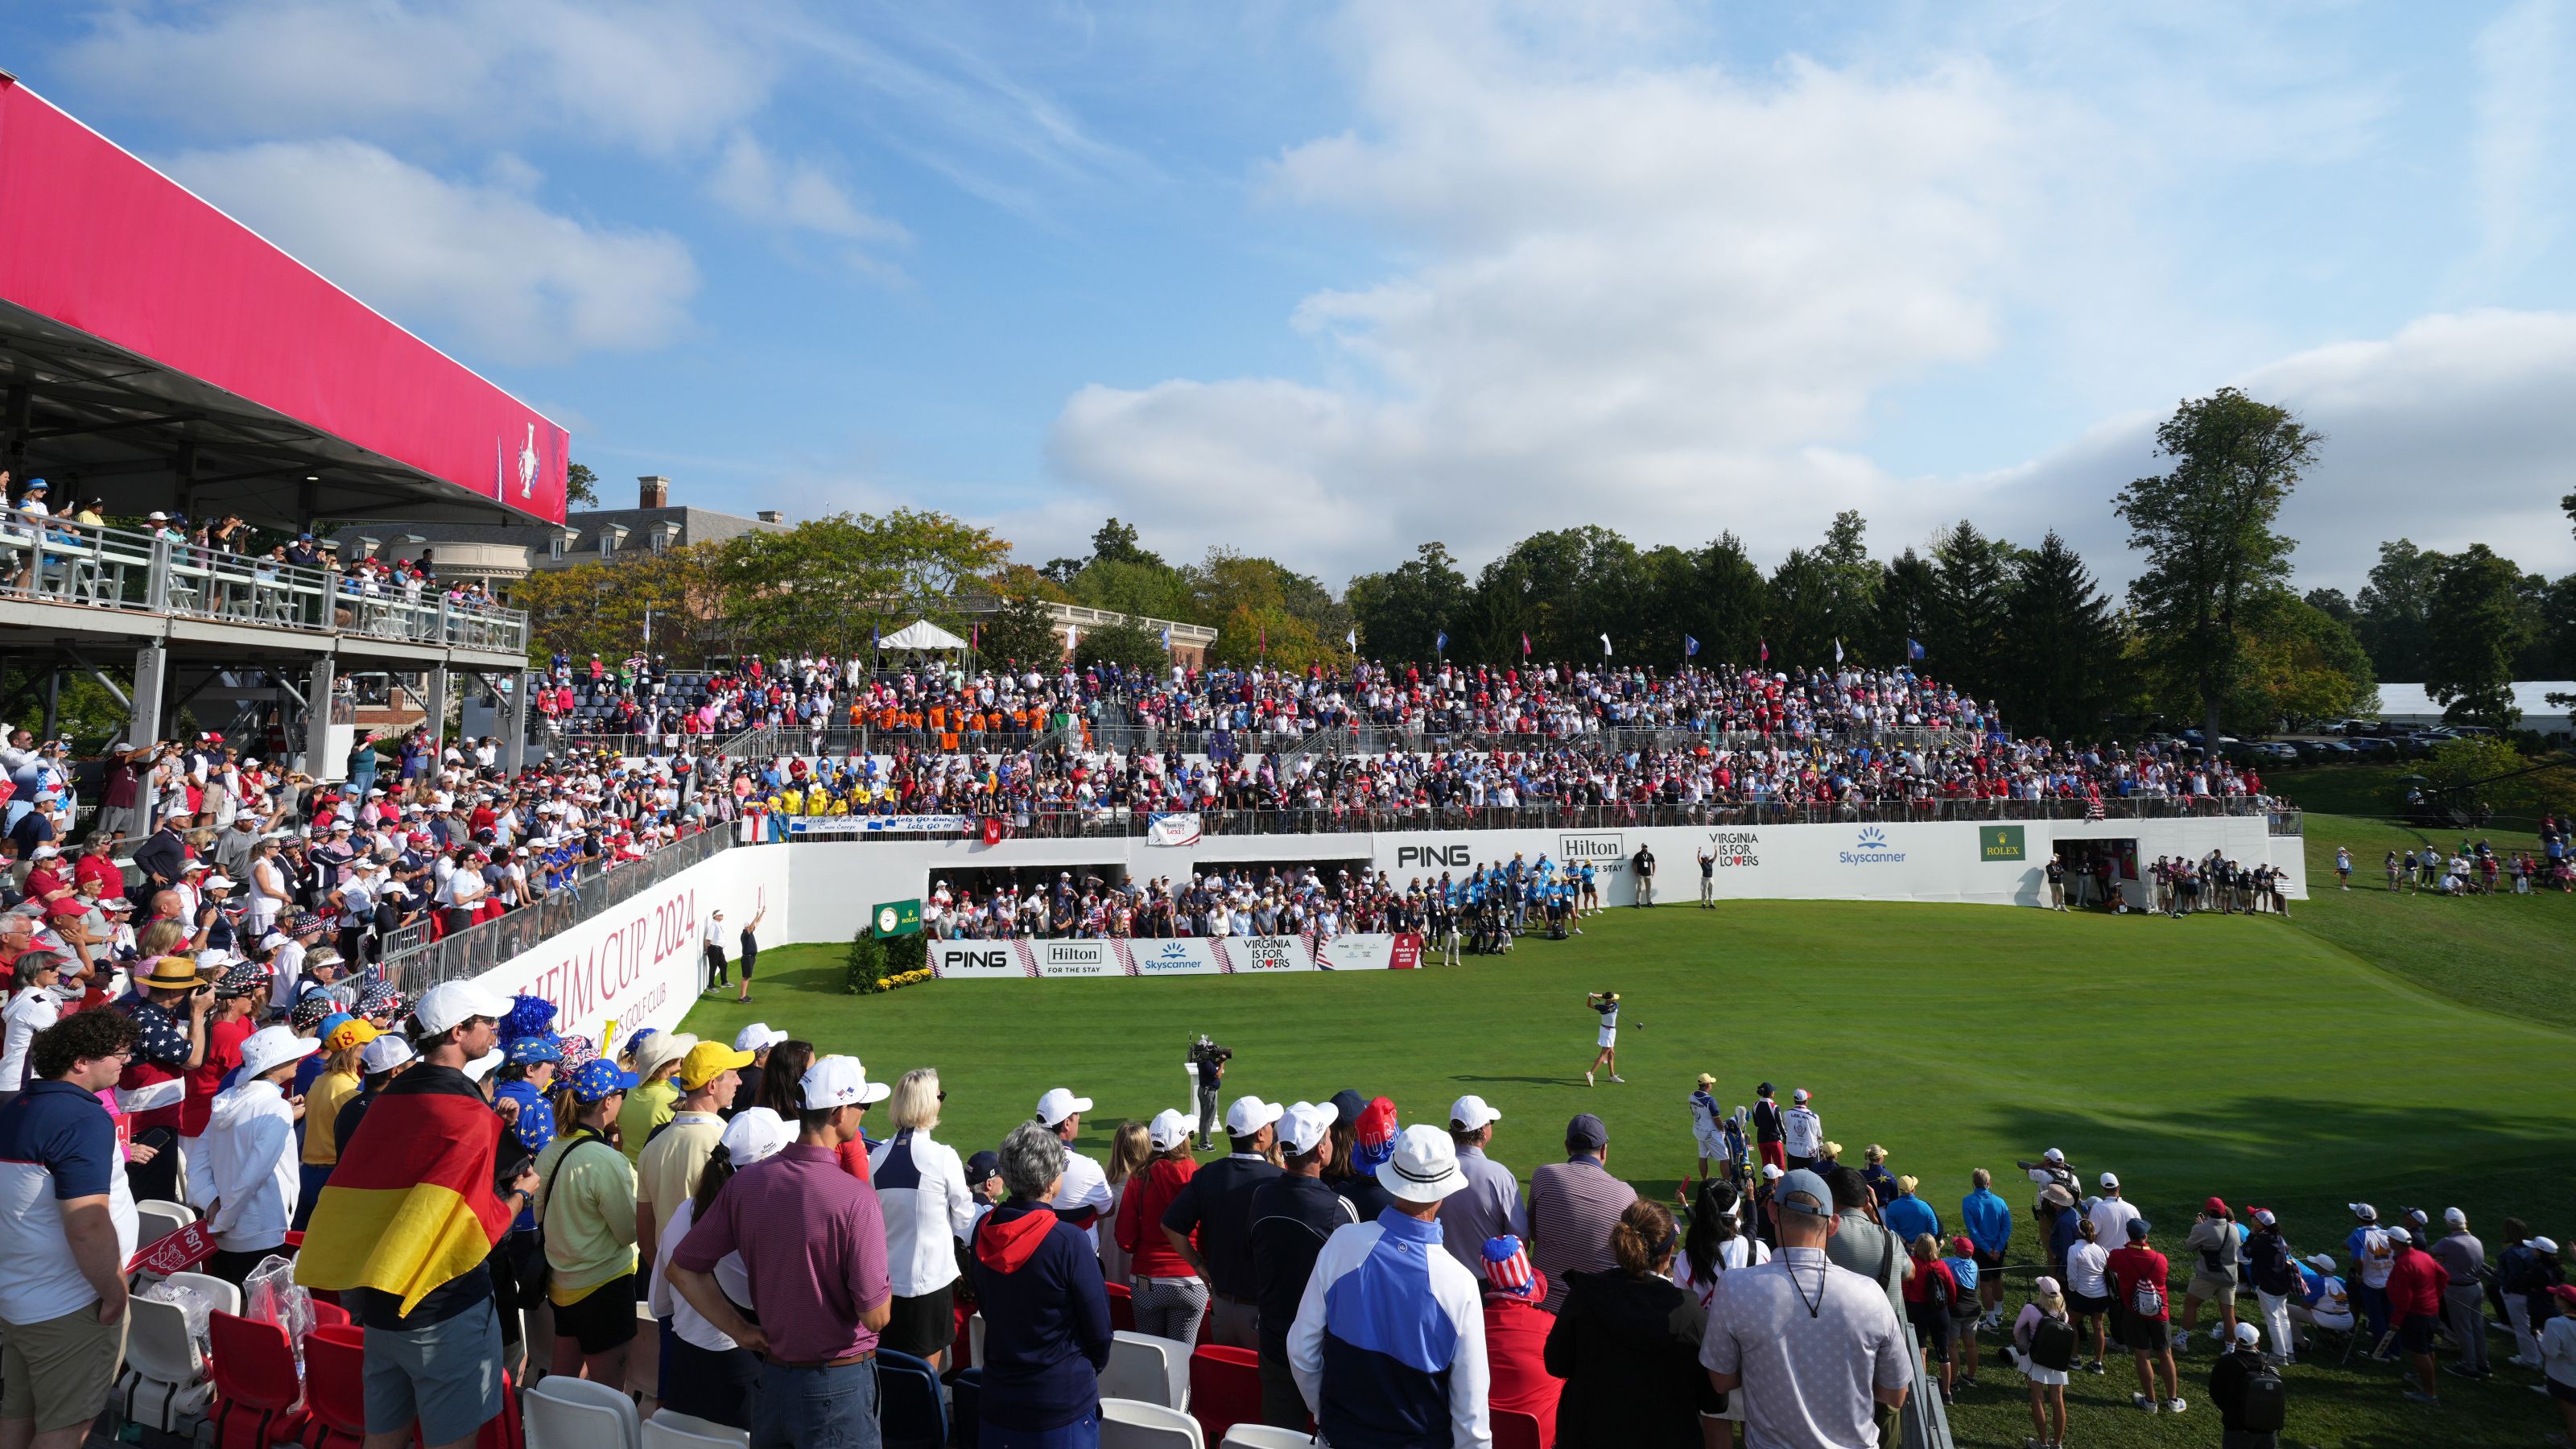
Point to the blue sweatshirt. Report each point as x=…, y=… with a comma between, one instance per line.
x=1988, y=1220
x=1046, y=1318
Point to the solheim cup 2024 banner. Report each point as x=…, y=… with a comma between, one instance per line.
x=1186, y=956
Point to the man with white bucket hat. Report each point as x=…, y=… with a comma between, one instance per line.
x=1392, y=1312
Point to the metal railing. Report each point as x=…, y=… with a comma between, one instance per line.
x=59, y=561
x=413, y=963
x=1068, y=824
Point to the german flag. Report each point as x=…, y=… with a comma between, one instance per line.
x=411, y=1205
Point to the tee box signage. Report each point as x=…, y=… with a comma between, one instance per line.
x=1999, y=842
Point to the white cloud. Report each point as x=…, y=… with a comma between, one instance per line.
x=517, y=282
x=754, y=185
x=2454, y=431
x=1662, y=299
x=662, y=76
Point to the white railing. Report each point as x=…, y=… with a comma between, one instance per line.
x=55, y=560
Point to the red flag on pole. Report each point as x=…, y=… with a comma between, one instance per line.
x=1525, y=649
x=1766, y=651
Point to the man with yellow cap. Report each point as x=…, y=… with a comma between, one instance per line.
x=666, y=1176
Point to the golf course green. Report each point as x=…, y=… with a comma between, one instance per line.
x=2412, y=1050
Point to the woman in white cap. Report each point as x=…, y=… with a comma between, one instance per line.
x=1168, y=1294
x=250, y=1139
x=708, y=1375
x=33, y=1006
x=2044, y=1350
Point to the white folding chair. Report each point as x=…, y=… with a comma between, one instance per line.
x=155, y=1220
x=1265, y=1436
x=227, y=1297
x=1127, y=1424
x=164, y=1383
x=562, y=1412
x=975, y=1338
x=670, y=1429
x=1148, y=1369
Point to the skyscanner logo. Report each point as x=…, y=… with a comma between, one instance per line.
x=1871, y=849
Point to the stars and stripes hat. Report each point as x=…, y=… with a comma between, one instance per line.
x=1507, y=1267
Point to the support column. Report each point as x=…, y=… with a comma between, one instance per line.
x=514, y=723
x=318, y=754
x=53, y=697
x=437, y=707
x=143, y=725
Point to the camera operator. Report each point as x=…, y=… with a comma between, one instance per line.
x=1210, y=1059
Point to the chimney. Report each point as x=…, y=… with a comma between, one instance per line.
x=770, y=515
x=655, y=491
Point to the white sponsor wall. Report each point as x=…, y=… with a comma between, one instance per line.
x=835, y=883
x=640, y=963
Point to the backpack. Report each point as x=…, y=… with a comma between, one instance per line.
x=2265, y=1405
x=1940, y=1292
x=2052, y=1344
x=2147, y=1299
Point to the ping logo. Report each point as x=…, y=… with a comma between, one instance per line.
x=1431, y=855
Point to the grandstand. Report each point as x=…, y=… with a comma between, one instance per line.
x=161, y=363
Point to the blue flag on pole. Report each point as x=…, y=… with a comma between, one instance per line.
x=1440, y=642
x=1690, y=647
x=1913, y=649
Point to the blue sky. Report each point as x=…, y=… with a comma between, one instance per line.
x=1325, y=281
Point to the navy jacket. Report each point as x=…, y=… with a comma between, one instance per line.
x=1046, y=1318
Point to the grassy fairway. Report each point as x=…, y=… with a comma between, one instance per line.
x=2347, y=1054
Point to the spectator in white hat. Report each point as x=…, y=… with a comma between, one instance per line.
x=1083, y=1196
x=756, y=1039
x=2111, y=1213
x=2464, y=1295
x=1369, y=1362
x=655, y=1096
x=1168, y=1287
x=1491, y=1205
x=1292, y=1216
x=707, y=1375
x=1802, y=1132
x=1215, y=1208
x=250, y=1141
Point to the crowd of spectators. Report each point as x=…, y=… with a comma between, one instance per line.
x=35, y=518
x=792, y=1223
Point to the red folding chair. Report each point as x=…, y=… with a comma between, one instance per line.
x=335, y=1366
x=1225, y=1388
x=1516, y=1430
x=330, y=1315
x=1122, y=1308
x=257, y=1394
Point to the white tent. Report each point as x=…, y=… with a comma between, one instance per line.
x=921, y=634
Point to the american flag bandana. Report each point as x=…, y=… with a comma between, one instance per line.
x=1507, y=1266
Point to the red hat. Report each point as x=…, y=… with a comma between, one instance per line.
x=2215, y=1207
x=1376, y=1124
x=1962, y=1247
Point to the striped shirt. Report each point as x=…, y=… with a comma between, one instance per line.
x=1572, y=1206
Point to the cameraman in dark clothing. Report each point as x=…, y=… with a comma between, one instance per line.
x=2248, y=1393
x=1210, y=1059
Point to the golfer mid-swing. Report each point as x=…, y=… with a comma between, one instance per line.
x=1606, y=1003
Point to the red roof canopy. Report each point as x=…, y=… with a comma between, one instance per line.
x=146, y=317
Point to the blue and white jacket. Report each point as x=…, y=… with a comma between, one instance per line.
x=1389, y=1344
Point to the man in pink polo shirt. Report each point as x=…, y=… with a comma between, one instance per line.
x=812, y=1240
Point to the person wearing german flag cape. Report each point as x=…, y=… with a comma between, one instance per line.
x=410, y=1215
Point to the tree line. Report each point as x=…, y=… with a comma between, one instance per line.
x=2211, y=631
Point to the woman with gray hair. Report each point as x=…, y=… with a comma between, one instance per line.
x=921, y=1186
x=1046, y=1313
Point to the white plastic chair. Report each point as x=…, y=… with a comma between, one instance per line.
x=975, y=1338
x=226, y=1297
x=155, y=1219
x=671, y=1429
x=1148, y=1369
x=164, y=1383
x=1265, y=1436
x=1127, y=1424
x=563, y=1412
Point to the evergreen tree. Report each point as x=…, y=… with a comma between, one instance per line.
x=2475, y=632
x=2060, y=679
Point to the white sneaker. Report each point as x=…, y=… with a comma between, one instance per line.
x=1587, y=1079
x=2175, y=1406
x=1623, y=1081
x=2143, y=1402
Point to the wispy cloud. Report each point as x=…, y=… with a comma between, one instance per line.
x=2517, y=164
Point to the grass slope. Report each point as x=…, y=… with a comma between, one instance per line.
x=2344, y=1055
